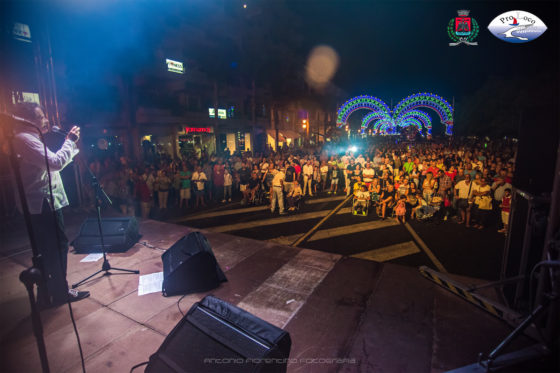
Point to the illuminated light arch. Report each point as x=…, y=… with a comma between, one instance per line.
x=384, y=126
x=423, y=118
x=357, y=103
x=374, y=116
x=430, y=101
x=411, y=122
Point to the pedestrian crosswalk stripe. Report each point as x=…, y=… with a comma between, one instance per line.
x=338, y=231
x=279, y=298
x=215, y=214
x=274, y=221
x=389, y=252
x=326, y=199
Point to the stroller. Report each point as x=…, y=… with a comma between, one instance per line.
x=360, y=202
x=261, y=197
x=427, y=212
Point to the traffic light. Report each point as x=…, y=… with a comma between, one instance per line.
x=304, y=123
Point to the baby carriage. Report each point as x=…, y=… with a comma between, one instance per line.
x=360, y=203
x=260, y=198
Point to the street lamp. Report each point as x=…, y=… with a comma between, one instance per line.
x=305, y=126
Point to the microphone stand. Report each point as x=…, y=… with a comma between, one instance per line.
x=33, y=276
x=100, y=196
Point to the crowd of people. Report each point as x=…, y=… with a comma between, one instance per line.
x=468, y=179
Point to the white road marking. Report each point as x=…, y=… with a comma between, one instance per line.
x=279, y=298
x=274, y=221
x=338, y=231
x=249, y=209
x=389, y=252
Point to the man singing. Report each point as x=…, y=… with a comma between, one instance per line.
x=49, y=232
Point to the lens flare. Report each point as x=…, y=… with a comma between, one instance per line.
x=321, y=66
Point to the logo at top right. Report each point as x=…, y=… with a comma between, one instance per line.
x=517, y=26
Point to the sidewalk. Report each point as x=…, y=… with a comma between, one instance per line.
x=375, y=317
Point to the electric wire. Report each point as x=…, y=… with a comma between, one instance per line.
x=60, y=259
x=139, y=365
x=179, y=306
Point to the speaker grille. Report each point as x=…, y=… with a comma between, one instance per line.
x=236, y=339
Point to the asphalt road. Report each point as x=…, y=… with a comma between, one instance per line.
x=460, y=250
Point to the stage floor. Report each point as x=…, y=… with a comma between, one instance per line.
x=376, y=317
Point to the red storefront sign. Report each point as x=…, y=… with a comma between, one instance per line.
x=198, y=129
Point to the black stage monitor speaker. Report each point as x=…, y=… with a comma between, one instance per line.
x=215, y=336
x=119, y=235
x=189, y=266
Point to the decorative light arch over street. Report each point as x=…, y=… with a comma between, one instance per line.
x=357, y=103
x=386, y=120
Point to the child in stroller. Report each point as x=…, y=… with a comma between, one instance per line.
x=360, y=202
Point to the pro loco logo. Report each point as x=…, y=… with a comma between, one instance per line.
x=462, y=29
x=517, y=26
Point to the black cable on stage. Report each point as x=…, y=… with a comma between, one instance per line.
x=139, y=365
x=179, y=307
x=55, y=220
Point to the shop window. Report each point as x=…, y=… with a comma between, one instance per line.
x=240, y=140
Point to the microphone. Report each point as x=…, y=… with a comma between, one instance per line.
x=59, y=131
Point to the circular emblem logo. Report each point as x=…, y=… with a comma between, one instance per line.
x=517, y=26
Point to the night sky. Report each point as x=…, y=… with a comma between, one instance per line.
x=386, y=49
x=391, y=49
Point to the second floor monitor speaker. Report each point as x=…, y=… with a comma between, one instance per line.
x=119, y=235
x=215, y=336
x=189, y=266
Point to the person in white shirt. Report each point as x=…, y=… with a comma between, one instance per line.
x=277, y=193
x=228, y=182
x=308, y=178
x=53, y=243
x=324, y=175
x=499, y=187
x=377, y=160
x=264, y=166
x=199, y=179
x=361, y=160
x=368, y=174
x=463, y=194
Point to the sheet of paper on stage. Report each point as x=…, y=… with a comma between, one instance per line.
x=151, y=283
x=92, y=258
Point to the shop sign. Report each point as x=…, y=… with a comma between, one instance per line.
x=222, y=113
x=21, y=32
x=198, y=129
x=175, y=66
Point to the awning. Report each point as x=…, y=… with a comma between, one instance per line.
x=283, y=134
